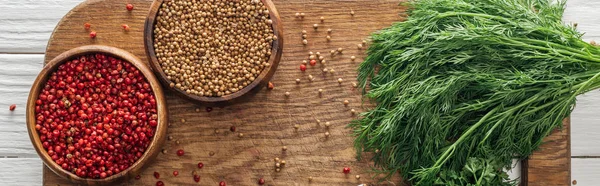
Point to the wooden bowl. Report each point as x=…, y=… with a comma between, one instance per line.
x=261, y=81
x=160, y=132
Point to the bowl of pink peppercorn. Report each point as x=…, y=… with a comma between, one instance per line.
x=96, y=115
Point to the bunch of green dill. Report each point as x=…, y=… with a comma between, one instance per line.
x=470, y=80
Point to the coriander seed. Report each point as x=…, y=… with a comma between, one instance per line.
x=276, y=160
x=282, y=162
x=322, y=19
x=357, y=177
x=305, y=42
x=325, y=70
x=331, y=71
x=297, y=15
x=297, y=81
x=240, y=135
x=304, y=32
x=354, y=85
x=352, y=58
x=326, y=134
x=311, y=57
x=340, y=80
x=316, y=26
x=296, y=126
x=352, y=111
x=346, y=102
x=277, y=169
x=277, y=165
x=359, y=46
x=352, y=12
x=287, y=94
x=284, y=148
x=170, y=138
x=302, y=15
x=329, y=30
x=327, y=124
x=328, y=38
x=304, y=62
x=340, y=50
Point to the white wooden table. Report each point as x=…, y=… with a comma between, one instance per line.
x=26, y=25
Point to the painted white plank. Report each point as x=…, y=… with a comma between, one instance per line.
x=17, y=73
x=20, y=171
x=26, y=25
x=585, y=171
x=585, y=120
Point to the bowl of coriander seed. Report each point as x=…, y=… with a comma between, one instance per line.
x=214, y=52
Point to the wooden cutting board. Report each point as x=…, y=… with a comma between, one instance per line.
x=267, y=119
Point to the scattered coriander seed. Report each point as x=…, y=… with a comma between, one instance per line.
x=240, y=135
x=359, y=46
x=297, y=81
x=329, y=30
x=340, y=80
x=364, y=42
x=211, y=153
x=321, y=58
x=304, y=32
x=318, y=122
x=217, y=131
x=177, y=142
x=318, y=53
x=323, y=62
x=325, y=70
x=311, y=57
x=182, y=120
x=271, y=86
x=328, y=38
x=327, y=124
x=305, y=42
x=284, y=148
x=277, y=169
x=346, y=102
x=164, y=151
x=320, y=92
x=316, y=26
x=310, y=178
x=287, y=94
x=332, y=52
x=282, y=162
x=352, y=12
x=357, y=177
x=331, y=71
x=304, y=62
x=304, y=36
x=297, y=14
x=197, y=110
x=311, y=53
x=340, y=50
x=322, y=19
x=302, y=15
x=352, y=111
x=277, y=165
x=270, y=22
x=170, y=138
x=326, y=134
x=354, y=85
x=376, y=150
x=296, y=126
x=352, y=58
x=276, y=160
x=310, y=78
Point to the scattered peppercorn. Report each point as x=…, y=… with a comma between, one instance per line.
x=261, y=181
x=222, y=183
x=346, y=170
x=303, y=68
x=175, y=173
x=271, y=86
x=200, y=165
x=180, y=152
x=331, y=71
x=208, y=109
x=164, y=151
x=156, y=175
x=129, y=7
x=177, y=142
x=125, y=27
x=297, y=15
x=160, y=183
x=323, y=62
x=311, y=78
x=138, y=177
x=12, y=107
x=304, y=62
x=325, y=70
x=93, y=34
x=197, y=178
x=87, y=26
x=304, y=32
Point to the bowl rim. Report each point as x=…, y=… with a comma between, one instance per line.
x=259, y=82
x=159, y=133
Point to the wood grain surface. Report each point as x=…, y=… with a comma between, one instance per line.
x=267, y=119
